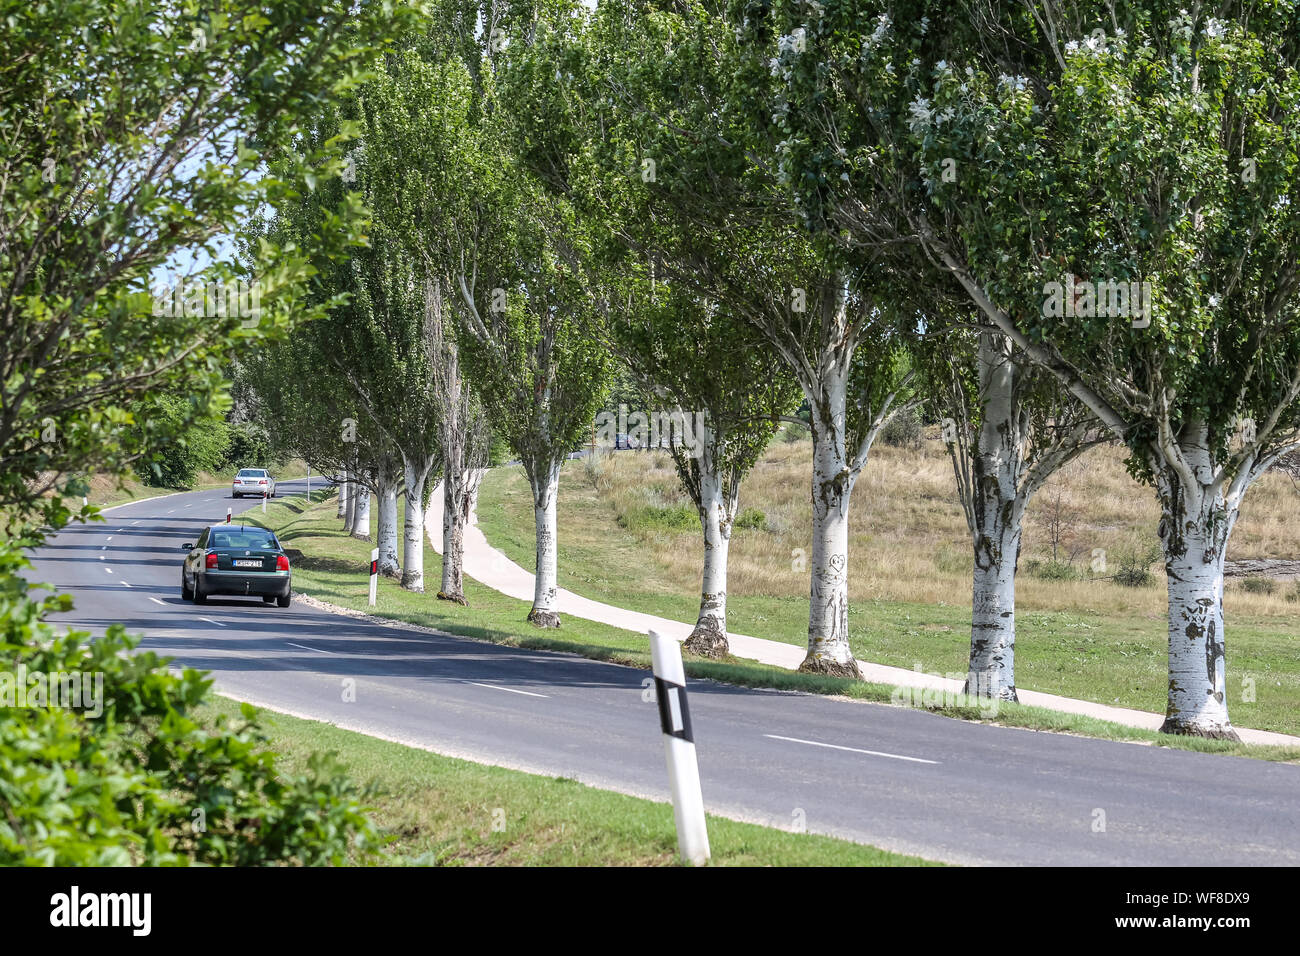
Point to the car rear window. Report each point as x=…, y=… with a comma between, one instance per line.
x=243, y=538
x=251, y=473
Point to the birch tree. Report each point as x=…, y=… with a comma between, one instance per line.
x=677, y=105
x=712, y=371
x=1123, y=209
x=464, y=438
x=485, y=233
x=1008, y=427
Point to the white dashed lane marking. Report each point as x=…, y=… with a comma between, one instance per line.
x=856, y=750
x=508, y=690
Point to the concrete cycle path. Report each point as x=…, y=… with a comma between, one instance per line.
x=490, y=566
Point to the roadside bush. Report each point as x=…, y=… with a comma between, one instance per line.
x=1258, y=585
x=180, y=439
x=750, y=519
x=903, y=429
x=1134, y=569
x=248, y=446
x=793, y=433
x=127, y=775
x=1051, y=570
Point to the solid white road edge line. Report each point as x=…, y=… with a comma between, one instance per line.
x=306, y=648
x=508, y=690
x=210, y=621
x=856, y=750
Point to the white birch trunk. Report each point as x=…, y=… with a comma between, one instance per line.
x=717, y=515
x=1194, y=530
x=832, y=485
x=413, y=529
x=458, y=494
x=343, y=496
x=361, y=522
x=545, y=487
x=996, y=509
x=387, y=534
x=354, y=489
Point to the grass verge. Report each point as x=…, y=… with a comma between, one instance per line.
x=333, y=568
x=436, y=810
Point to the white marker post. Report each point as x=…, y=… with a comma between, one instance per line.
x=228, y=510
x=679, y=747
x=264, y=494
x=374, y=574
x=309, y=484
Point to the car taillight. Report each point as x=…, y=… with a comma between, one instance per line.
x=211, y=560
x=262, y=482
x=281, y=563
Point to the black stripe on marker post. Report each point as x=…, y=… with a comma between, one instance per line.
x=674, y=714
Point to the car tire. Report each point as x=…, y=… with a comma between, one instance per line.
x=186, y=593
x=233, y=495
x=198, y=595
x=282, y=600
x=268, y=598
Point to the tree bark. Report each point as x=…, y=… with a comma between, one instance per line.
x=361, y=519
x=996, y=510
x=413, y=526
x=1195, y=525
x=832, y=485
x=458, y=495
x=387, y=535
x=343, y=496
x=545, y=486
x=717, y=513
x=354, y=494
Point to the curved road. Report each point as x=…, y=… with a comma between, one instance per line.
x=897, y=778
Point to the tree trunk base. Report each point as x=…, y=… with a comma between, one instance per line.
x=1183, y=729
x=708, y=641
x=361, y=537
x=825, y=667
x=412, y=586
x=453, y=598
x=1004, y=693
x=394, y=573
x=543, y=618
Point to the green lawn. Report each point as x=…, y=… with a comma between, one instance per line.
x=449, y=812
x=333, y=568
x=1114, y=658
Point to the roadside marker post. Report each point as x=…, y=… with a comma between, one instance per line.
x=228, y=510
x=374, y=574
x=679, y=748
x=264, y=502
x=309, y=484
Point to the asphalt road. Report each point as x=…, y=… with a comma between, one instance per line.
x=900, y=779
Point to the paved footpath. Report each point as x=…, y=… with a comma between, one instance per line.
x=490, y=566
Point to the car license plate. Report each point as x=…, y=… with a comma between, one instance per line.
x=248, y=562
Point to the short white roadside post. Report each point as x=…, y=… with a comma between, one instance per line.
x=228, y=510
x=264, y=502
x=679, y=747
x=309, y=484
x=374, y=574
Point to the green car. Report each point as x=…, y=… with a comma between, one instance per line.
x=235, y=559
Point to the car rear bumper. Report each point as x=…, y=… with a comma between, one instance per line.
x=275, y=583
